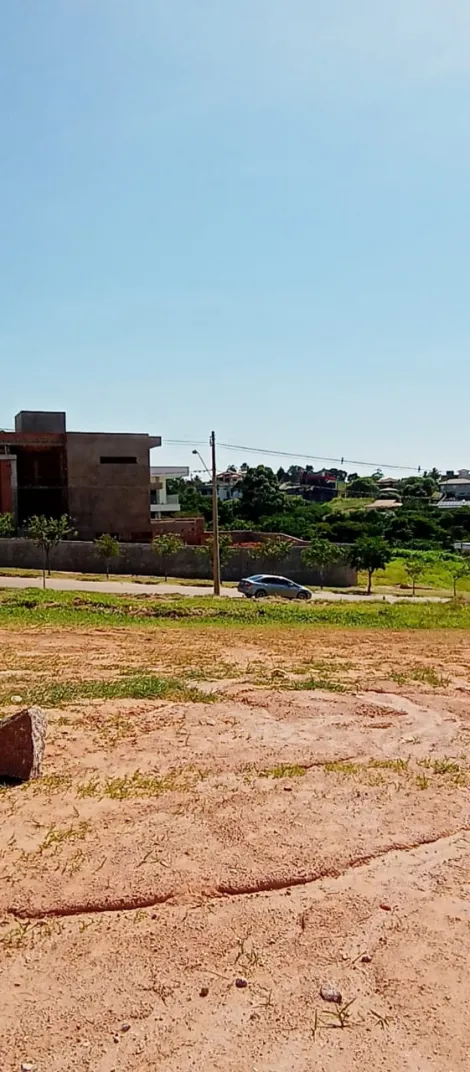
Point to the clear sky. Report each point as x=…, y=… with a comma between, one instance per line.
x=248, y=215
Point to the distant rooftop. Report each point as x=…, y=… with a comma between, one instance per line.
x=383, y=504
x=169, y=470
x=452, y=481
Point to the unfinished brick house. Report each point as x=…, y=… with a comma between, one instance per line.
x=100, y=479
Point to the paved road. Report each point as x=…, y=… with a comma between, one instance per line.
x=127, y=588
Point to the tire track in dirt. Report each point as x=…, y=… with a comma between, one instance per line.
x=131, y=904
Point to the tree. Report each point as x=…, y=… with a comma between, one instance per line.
x=165, y=546
x=7, y=525
x=458, y=568
x=435, y=475
x=371, y=554
x=193, y=502
x=47, y=532
x=320, y=554
x=275, y=548
x=225, y=547
x=260, y=493
x=107, y=547
x=415, y=567
x=418, y=487
x=362, y=487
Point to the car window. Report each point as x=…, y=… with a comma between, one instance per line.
x=281, y=581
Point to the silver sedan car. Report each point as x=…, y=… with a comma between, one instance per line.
x=263, y=584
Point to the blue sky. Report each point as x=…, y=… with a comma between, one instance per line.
x=250, y=216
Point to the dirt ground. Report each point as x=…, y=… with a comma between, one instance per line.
x=308, y=826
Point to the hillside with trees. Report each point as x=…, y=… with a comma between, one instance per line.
x=264, y=504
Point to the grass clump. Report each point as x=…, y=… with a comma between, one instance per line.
x=342, y=766
x=283, y=770
x=323, y=683
x=136, y=687
x=446, y=767
x=57, y=835
x=398, y=765
x=424, y=674
x=138, y=784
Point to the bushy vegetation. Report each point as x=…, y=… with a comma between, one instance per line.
x=263, y=505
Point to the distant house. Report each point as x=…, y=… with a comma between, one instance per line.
x=455, y=491
x=161, y=502
x=228, y=486
x=386, y=482
x=313, y=487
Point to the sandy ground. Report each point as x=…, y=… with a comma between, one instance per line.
x=289, y=838
x=68, y=584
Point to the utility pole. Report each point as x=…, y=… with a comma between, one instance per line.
x=215, y=522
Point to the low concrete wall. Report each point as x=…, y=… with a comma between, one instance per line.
x=79, y=556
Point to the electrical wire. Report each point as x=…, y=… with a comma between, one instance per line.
x=296, y=455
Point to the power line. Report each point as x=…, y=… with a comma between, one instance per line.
x=296, y=455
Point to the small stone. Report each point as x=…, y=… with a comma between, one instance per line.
x=27, y=1066
x=115, y=1038
x=241, y=982
x=125, y=1027
x=386, y=907
x=288, y=789
x=16, y=699
x=366, y=959
x=330, y=993
x=203, y=991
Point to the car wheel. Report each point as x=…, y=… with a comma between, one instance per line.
x=260, y=593
x=303, y=595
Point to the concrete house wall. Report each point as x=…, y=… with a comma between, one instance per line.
x=108, y=495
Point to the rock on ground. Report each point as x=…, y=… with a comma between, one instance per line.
x=22, y=742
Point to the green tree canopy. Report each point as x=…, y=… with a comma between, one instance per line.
x=362, y=487
x=415, y=566
x=47, y=532
x=165, y=546
x=7, y=525
x=458, y=568
x=320, y=554
x=275, y=549
x=260, y=493
x=370, y=554
x=107, y=547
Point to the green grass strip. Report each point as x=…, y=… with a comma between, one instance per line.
x=31, y=607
